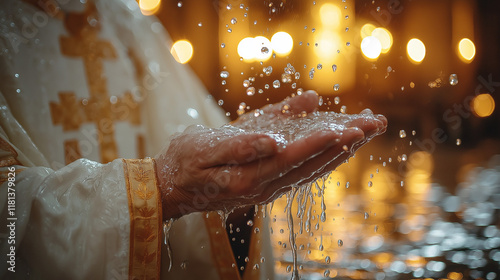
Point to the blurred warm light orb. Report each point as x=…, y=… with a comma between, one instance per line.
x=246, y=48
x=483, y=105
x=328, y=42
x=330, y=15
x=416, y=50
x=385, y=38
x=262, y=50
x=466, y=49
x=149, y=7
x=282, y=43
x=367, y=30
x=182, y=51
x=371, y=47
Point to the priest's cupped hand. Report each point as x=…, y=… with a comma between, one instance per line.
x=258, y=157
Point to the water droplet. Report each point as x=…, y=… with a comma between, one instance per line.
x=459, y=142
x=249, y=223
x=378, y=9
x=453, y=79
x=412, y=84
x=311, y=73
x=404, y=157
x=229, y=30
x=319, y=66
x=334, y=67
x=234, y=21
x=336, y=100
x=246, y=83
x=366, y=215
x=264, y=50
x=343, y=109
x=179, y=4
x=282, y=231
x=250, y=91
x=346, y=17
x=183, y=265
x=288, y=268
x=336, y=87
x=402, y=88
x=267, y=70
x=348, y=44
x=262, y=260
x=312, y=30
x=345, y=148
x=222, y=45
x=224, y=74
x=220, y=102
x=276, y=84
x=200, y=24
x=286, y=78
x=376, y=228
x=326, y=273
x=327, y=259
x=413, y=132
x=228, y=6
x=402, y=133
x=347, y=185
x=346, y=29
x=340, y=243
x=370, y=184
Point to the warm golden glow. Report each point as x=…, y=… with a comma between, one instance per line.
x=328, y=42
x=246, y=48
x=182, y=51
x=466, y=49
x=263, y=49
x=282, y=43
x=371, y=47
x=330, y=15
x=385, y=38
x=149, y=7
x=421, y=160
x=367, y=30
x=483, y=105
x=415, y=50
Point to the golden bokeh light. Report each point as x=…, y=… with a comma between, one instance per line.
x=282, y=43
x=371, y=47
x=416, y=50
x=385, y=38
x=330, y=15
x=262, y=50
x=328, y=41
x=246, y=48
x=466, y=50
x=149, y=7
x=182, y=51
x=367, y=30
x=483, y=105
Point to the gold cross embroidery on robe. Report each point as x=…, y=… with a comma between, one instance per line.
x=100, y=108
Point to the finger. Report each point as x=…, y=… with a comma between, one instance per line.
x=240, y=149
x=327, y=161
x=306, y=102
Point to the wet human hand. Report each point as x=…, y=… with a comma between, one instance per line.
x=259, y=156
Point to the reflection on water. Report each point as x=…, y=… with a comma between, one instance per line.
x=378, y=226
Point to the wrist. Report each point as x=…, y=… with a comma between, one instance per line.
x=175, y=203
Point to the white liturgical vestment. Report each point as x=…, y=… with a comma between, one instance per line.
x=89, y=91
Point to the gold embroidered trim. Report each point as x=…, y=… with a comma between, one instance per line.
x=4, y=174
x=11, y=159
x=145, y=218
x=222, y=253
x=255, y=250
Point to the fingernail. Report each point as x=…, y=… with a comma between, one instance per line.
x=264, y=146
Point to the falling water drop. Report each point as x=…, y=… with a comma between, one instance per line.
x=336, y=87
x=453, y=79
x=250, y=91
x=334, y=67
x=336, y=100
x=276, y=84
x=340, y=243
x=224, y=74
x=327, y=259
x=459, y=142
x=234, y=21
x=402, y=133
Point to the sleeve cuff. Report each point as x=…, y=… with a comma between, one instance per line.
x=145, y=210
